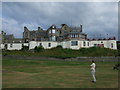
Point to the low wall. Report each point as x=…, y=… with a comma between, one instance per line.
x=60, y=59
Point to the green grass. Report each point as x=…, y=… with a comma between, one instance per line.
x=57, y=74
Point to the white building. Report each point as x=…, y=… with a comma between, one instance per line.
x=71, y=44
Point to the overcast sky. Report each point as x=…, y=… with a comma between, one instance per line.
x=98, y=18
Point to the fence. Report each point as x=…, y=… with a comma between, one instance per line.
x=103, y=59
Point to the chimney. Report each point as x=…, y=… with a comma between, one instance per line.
x=63, y=25
x=25, y=28
x=81, y=27
x=38, y=28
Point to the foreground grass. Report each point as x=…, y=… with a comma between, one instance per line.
x=57, y=74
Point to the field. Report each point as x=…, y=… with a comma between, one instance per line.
x=57, y=74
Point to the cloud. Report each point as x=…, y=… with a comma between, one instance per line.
x=96, y=17
x=11, y=27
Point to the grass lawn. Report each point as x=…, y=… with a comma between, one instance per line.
x=57, y=74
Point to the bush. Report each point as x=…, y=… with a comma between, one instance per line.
x=58, y=47
x=25, y=48
x=38, y=49
x=4, y=52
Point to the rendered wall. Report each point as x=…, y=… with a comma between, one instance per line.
x=112, y=44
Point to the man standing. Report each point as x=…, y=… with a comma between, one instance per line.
x=93, y=67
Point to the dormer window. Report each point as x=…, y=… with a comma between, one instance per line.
x=53, y=31
x=53, y=26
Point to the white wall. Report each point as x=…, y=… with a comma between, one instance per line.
x=33, y=44
x=114, y=44
x=86, y=44
x=64, y=44
x=14, y=46
x=107, y=43
x=75, y=47
x=1, y=46
x=45, y=44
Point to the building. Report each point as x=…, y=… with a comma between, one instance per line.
x=67, y=37
x=54, y=34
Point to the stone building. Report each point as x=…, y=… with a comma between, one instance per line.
x=35, y=35
x=54, y=34
x=9, y=38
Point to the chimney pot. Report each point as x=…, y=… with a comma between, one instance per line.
x=81, y=27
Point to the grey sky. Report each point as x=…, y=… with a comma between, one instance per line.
x=96, y=17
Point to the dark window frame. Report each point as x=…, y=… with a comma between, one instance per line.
x=11, y=45
x=111, y=45
x=49, y=44
x=40, y=44
x=74, y=43
x=88, y=43
x=84, y=43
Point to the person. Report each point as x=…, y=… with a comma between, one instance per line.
x=117, y=67
x=93, y=67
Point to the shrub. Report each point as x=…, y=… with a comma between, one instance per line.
x=25, y=48
x=4, y=52
x=38, y=49
x=59, y=46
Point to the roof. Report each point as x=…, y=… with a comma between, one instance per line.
x=75, y=33
x=75, y=28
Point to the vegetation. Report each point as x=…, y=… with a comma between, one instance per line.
x=25, y=48
x=59, y=52
x=38, y=49
x=56, y=74
x=118, y=49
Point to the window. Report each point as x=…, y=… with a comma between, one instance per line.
x=49, y=44
x=53, y=31
x=88, y=43
x=11, y=45
x=95, y=45
x=111, y=45
x=83, y=43
x=60, y=32
x=40, y=44
x=74, y=35
x=53, y=38
x=53, y=26
x=74, y=43
x=6, y=46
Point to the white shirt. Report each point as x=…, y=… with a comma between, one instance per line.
x=93, y=66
